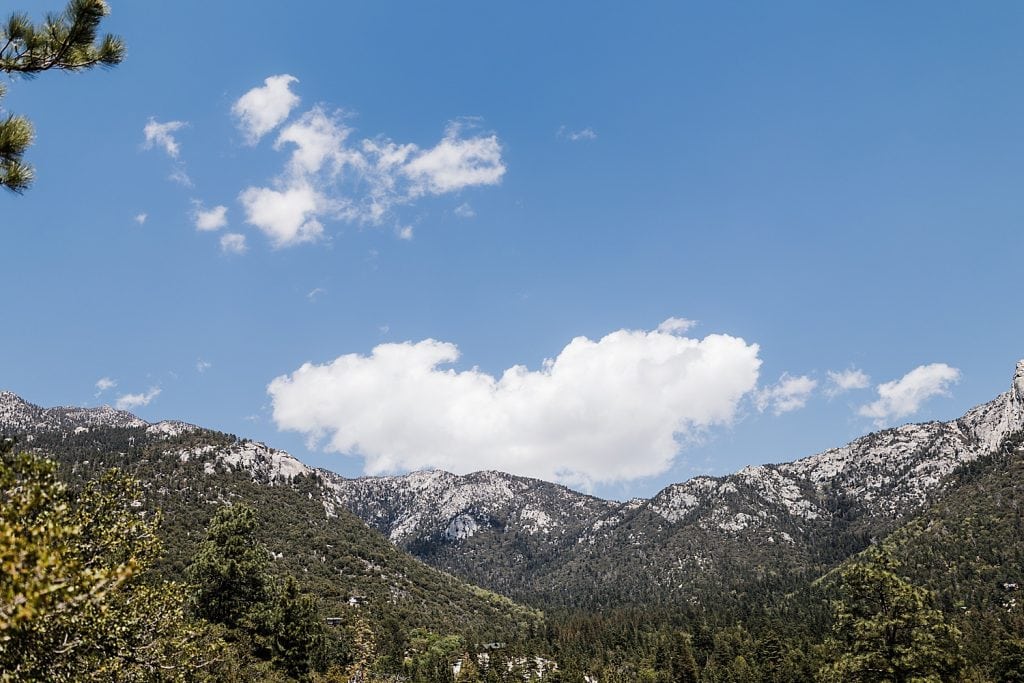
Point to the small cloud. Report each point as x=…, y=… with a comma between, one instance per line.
x=788, y=394
x=264, y=108
x=384, y=329
x=287, y=216
x=251, y=418
x=465, y=211
x=405, y=233
x=904, y=397
x=676, y=325
x=202, y=366
x=233, y=243
x=576, y=135
x=141, y=218
x=209, y=219
x=455, y=163
x=129, y=401
x=105, y=384
x=314, y=293
x=162, y=135
x=180, y=176
x=846, y=380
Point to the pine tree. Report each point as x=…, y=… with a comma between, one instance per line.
x=230, y=568
x=67, y=41
x=681, y=660
x=297, y=633
x=886, y=630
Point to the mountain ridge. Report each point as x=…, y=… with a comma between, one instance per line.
x=540, y=541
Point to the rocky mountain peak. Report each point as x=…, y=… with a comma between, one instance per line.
x=1018, y=381
x=21, y=417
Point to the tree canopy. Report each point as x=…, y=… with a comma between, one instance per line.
x=72, y=605
x=65, y=41
x=887, y=630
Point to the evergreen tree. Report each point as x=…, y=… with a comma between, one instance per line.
x=230, y=569
x=682, y=663
x=67, y=41
x=296, y=632
x=886, y=630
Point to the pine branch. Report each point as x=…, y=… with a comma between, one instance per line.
x=65, y=42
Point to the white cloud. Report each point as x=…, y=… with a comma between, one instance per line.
x=314, y=293
x=464, y=210
x=180, y=176
x=264, y=108
x=676, y=325
x=609, y=410
x=129, y=401
x=210, y=219
x=405, y=233
x=202, y=366
x=141, y=218
x=105, y=384
x=846, y=380
x=287, y=216
x=233, y=243
x=903, y=397
x=577, y=135
x=318, y=139
x=162, y=135
x=788, y=394
x=330, y=175
x=455, y=163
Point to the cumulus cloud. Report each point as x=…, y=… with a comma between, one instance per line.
x=455, y=163
x=202, y=366
x=846, y=380
x=141, y=218
x=788, y=394
x=464, y=210
x=287, y=216
x=264, y=108
x=162, y=135
x=577, y=135
x=613, y=409
x=330, y=175
x=105, y=384
x=903, y=397
x=130, y=401
x=210, y=219
x=405, y=232
x=233, y=243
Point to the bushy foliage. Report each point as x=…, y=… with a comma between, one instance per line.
x=72, y=605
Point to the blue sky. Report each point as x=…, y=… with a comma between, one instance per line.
x=838, y=184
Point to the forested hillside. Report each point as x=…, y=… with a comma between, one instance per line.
x=750, y=580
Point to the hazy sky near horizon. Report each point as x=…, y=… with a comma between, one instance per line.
x=613, y=245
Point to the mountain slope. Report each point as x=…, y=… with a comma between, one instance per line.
x=765, y=526
x=705, y=544
x=186, y=473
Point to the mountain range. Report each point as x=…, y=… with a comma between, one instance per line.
x=703, y=543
